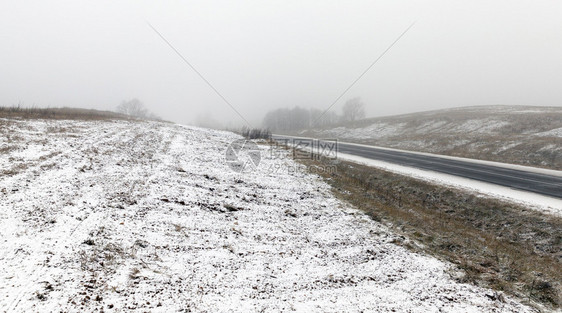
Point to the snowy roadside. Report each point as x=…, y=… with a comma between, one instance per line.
x=121, y=216
x=534, y=201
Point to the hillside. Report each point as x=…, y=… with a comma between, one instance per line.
x=514, y=134
x=129, y=216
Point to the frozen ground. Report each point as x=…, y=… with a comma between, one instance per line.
x=147, y=217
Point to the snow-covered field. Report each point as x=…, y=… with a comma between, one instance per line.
x=121, y=216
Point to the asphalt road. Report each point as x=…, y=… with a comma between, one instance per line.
x=539, y=183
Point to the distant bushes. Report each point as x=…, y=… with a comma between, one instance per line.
x=133, y=112
x=256, y=133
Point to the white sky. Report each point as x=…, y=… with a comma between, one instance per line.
x=262, y=55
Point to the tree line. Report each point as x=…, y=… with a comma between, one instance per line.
x=298, y=118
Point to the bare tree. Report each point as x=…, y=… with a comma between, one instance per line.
x=353, y=110
x=133, y=107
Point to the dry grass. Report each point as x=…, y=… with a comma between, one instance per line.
x=500, y=245
x=58, y=113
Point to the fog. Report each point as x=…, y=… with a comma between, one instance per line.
x=263, y=55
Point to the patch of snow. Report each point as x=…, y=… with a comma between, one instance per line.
x=373, y=131
x=528, y=111
x=557, y=132
x=508, y=146
x=430, y=127
x=479, y=126
x=550, y=147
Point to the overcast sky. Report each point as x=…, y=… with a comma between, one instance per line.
x=262, y=55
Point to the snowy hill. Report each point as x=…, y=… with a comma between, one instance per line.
x=144, y=216
x=513, y=134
